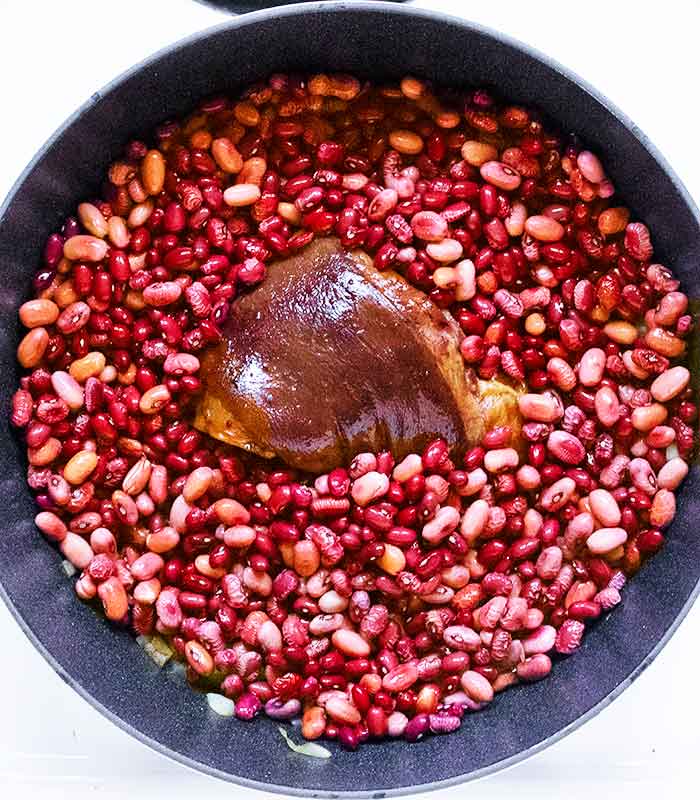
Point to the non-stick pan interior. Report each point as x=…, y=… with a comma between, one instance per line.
x=105, y=664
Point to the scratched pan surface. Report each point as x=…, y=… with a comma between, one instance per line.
x=104, y=664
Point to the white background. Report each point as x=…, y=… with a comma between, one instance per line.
x=644, y=57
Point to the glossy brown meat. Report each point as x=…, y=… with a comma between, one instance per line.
x=329, y=357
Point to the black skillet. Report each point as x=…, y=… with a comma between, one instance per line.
x=104, y=664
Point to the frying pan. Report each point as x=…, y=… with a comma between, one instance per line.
x=104, y=664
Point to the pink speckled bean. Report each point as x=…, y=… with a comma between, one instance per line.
x=477, y=686
x=411, y=466
x=670, y=384
x=85, y=587
x=549, y=563
x=645, y=418
x=660, y=437
x=515, y=221
x=445, y=251
x=241, y=194
x=146, y=566
x=501, y=460
x=474, y=520
x=76, y=550
x=102, y=541
x=239, y=536
x=604, y=507
x=396, y=724
x=516, y=613
x=382, y=203
x=84, y=248
x=197, y=484
x=114, y=599
x=68, y=389
x=579, y=528
x=566, y=447
x=591, y=366
x=607, y=406
x=465, y=285
x=158, y=484
x=369, y=487
x=544, y=229
x=528, y=477
x=590, y=166
x=476, y=480
x=400, y=678
x=146, y=592
x=540, y=407
x=534, y=618
x=178, y=514
x=429, y=226
x=608, y=598
x=672, y=473
x=269, y=636
x=535, y=668
x=491, y=612
x=500, y=175
x=642, y=475
x=322, y=624
x=51, y=525
x=558, y=494
x=461, y=637
x=351, y=644
x=532, y=523
x=163, y=540
x=611, y=475
x=162, y=293
x=442, y=525
x=181, y=364
x=606, y=539
x=168, y=609
x=663, y=509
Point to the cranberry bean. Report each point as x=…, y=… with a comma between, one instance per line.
x=429, y=226
x=566, y=447
x=500, y=175
x=558, y=494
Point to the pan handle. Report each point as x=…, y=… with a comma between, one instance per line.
x=244, y=6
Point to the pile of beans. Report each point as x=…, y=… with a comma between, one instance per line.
x=381, y=599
